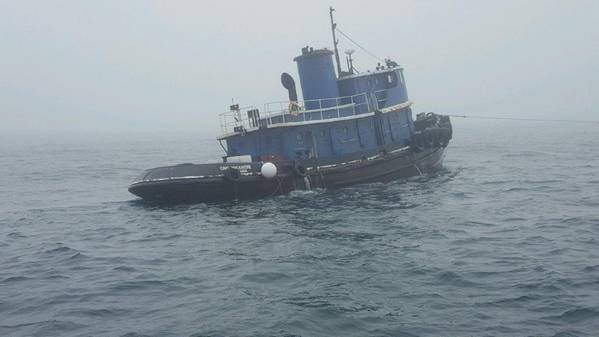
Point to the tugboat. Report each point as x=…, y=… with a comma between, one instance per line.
x=350, y=128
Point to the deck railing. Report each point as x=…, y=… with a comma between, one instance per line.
x=284, y=112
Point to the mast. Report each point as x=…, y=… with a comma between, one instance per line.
x=335, y=42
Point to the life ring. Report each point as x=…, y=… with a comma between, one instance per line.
x=232, y=174
x=294, y=108
x=300, y=170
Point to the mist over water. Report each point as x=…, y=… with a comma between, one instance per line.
x=502, y=242
x=174, y=65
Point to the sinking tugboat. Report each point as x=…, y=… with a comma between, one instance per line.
x=350, y=128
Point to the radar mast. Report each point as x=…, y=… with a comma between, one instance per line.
x=335, y=42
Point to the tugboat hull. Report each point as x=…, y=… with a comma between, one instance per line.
x=190, y=183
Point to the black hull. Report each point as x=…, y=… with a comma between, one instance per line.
x=383, y=167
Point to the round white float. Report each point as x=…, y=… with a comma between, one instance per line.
x=268, y=170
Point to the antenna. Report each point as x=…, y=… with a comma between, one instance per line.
x=335, y=42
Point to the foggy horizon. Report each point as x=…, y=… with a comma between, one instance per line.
x=174, y=66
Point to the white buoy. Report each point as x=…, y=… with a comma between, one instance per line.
x=268, y=170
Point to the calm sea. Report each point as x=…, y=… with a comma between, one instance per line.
x=503, y=242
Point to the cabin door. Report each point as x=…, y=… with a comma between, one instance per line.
x=323, y=146
x=306, y=148
x=311, y=144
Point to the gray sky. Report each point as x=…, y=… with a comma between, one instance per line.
x=174, y=65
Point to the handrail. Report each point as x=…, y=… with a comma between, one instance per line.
x=283, y=112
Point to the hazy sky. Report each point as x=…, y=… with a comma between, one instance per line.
x=174, y=65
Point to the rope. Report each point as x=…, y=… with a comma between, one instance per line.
x=322, y=179
x=278, y=189
x=307, y=183
x=359, y=46
x=418, y=168
x=526, y=119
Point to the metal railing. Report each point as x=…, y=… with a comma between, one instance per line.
x=283, y=112
x=233, y=119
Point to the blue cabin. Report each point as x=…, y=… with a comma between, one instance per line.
x=343, y=113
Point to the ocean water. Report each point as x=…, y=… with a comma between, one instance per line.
x=503, y=242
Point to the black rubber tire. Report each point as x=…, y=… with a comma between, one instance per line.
x=232, y=174
x=438, y=137
x=414, y=143
x=300, y=170
x=420, y=140
x=445, y=136
x=429, y=138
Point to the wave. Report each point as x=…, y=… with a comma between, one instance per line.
x=578, y=315
x=15, y=279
